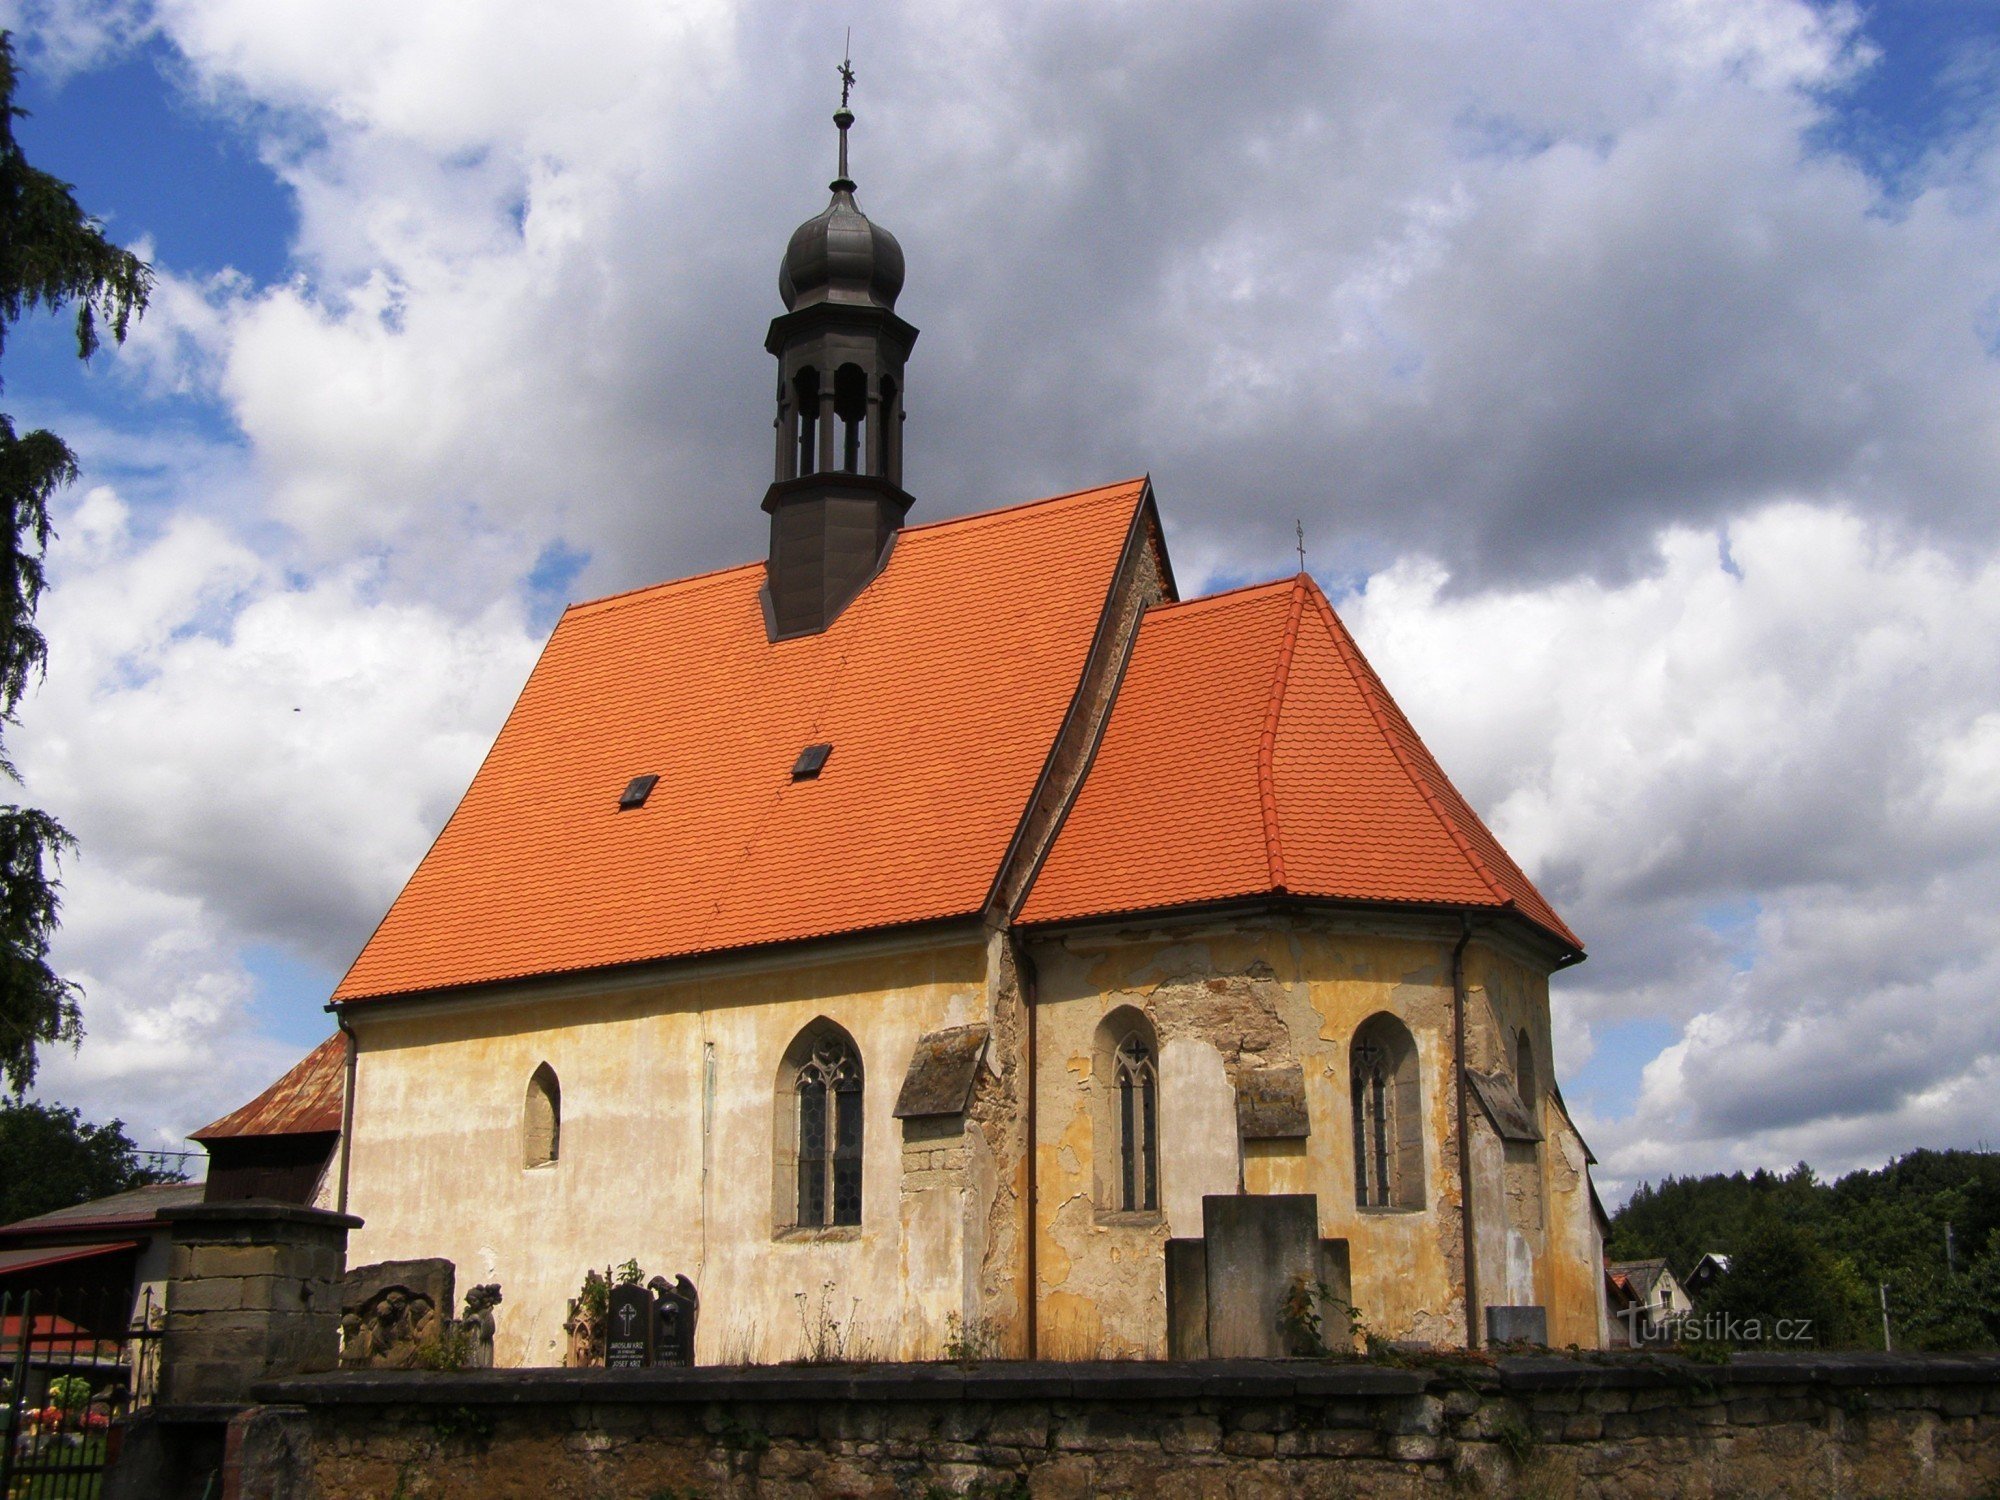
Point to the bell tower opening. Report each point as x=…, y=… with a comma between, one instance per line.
x=836, y=499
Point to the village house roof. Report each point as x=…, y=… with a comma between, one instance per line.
x=1252, y=751
x=132, y=1209
x=940, y=689
x=306, y=1101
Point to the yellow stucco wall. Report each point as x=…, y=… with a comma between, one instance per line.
x=658, y=1162
x=1274, y=991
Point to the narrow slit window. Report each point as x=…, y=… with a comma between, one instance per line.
x=637, y=790
x=811, y=761
x=1138, y=1125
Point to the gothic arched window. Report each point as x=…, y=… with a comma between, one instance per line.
x=824, y=1074
x=541, y=1119
x=1127, y=1113
x=1388, y=1116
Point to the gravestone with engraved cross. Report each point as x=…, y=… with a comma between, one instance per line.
x=628, y=1329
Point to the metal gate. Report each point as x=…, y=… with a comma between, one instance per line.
x=74, y=1364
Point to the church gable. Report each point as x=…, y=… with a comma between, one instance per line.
x=940, y=691
x=1299, y=776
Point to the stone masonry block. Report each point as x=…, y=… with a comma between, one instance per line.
x=230, y=1260
x=1020, y=1426
x=213, y=1294
x=1191, y=1435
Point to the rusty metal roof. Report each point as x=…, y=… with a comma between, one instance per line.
x=306, y=1101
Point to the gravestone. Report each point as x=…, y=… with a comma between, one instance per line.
x=1258, y=1247
x=678, y=1307
x=1524, y=1324
x=628, y=1329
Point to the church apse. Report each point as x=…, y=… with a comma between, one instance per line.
x=1261, y=997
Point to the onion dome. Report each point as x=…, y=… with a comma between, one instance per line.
x=841, y=255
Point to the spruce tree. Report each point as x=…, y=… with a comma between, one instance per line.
x=53, y=255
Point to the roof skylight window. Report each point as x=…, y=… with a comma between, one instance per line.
x=811, y=761
x=637, y=790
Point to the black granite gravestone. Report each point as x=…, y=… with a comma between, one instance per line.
x=679, y=1305
x=628, y=1329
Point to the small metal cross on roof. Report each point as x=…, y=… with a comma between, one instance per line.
x=846, y=69
x=1300, y=527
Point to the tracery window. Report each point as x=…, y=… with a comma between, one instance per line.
x=828, y=1089
x=1125, y=1113
x=1138, y=1126
x=1387, y=1116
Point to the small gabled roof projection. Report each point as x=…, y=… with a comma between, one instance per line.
x=976, y=632
x=306, y=1101
x=1297, y=776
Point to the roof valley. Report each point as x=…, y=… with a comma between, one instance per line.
x=1267, y=742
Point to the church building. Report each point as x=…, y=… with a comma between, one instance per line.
x=938, y=928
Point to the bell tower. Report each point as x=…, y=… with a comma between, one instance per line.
x=836, y=500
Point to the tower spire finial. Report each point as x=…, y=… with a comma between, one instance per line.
x=844, y=117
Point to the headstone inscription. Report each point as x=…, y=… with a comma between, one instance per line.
x=628, y=1329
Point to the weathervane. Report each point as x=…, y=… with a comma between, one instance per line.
x=846, y=69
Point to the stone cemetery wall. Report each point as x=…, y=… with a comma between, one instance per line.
x=1774, y=1425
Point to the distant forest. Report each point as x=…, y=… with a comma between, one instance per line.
x=1926, y=1227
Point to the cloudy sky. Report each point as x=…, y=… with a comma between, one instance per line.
x=1634, y=371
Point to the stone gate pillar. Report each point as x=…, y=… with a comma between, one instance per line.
x=253, y=1292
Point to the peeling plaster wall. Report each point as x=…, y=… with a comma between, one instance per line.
x=437, y=1151
x=997, y=1208
x=1552, y=1253
x=1272, y=990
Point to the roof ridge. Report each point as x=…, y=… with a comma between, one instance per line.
x=1000, y=510
x=1373, y=693
x=1243, y=593
x=715, y=575
x=1267, y=741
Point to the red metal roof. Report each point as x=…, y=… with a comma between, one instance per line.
x=1253, y=751
x=34, y=1258
x=306, y=1101
x=941, y=690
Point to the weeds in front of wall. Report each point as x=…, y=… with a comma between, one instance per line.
x=742, y=1436
x=969, y=1340
x=1303, y=1319
x=467, y=1422
x=827, y=1335
x=449, y=1349
x=1515, y=1436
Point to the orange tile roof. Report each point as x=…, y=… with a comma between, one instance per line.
x=1253, y=751
x=941, y=689
x=304, y=1102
